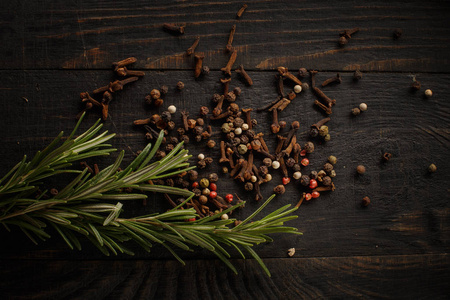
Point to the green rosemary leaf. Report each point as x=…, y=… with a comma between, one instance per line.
x=98, y=188
x=118, y=197
x=76, y=126
x=16, y=174
x=89, y=154
x=98, y=245
x=137, y=161
x=276, y=212
x=237, y=248
x=195, y=239
x=36, y=230
x=145, y=244
x=89, y=133
x=174, y=172
x=53, y=173
x=153, y=152
x=182, y=203
x=67, y=189
x=95, y=232
x=258, y=259
x=272, y=230
x=29, y=235
x=108, y=245
x=141, y=230
x=73, y=239
x=226, y=261
x=65, y=238
x=216, y=216
x=9, y=173
x=21, y=189
x=54, y=218
x=255, y=212
x=165, y=189
x=113, y=214
x=174, y=254
x=93, y=142
x=101, y=207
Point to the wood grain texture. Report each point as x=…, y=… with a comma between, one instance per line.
x=84, y=35
x=409, y=213
x=367, y=277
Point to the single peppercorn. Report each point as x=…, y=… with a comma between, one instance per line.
x=211, y=144
x=224, y=170
x=327, y=167
x=323, y=130
x=279, y=189
x=197, y=192
x=313, y=175
x=333, y=173
x=309, y=147
x=357, y=75
x=332, y=159
x=296, y=168
x=203, y=199
x=204, y=182
x=361, y=169
x=242, y=149
x=213, y=177
x=267, y=162
x=164, y=90
x=193, y=175
x=326, y=181
x=263, y=170
x=428, y=93
x=248, y=186
x=237, y=91
x=327, y=138
x=180, y=85
x=155, y=94
x=184, y=138
x=432, y=168
x=304, y=180
x=365, y=201
x=208, y=160
x=290, y=162
x=356, y=111
x=201, y=164
x=238, y=122
x=387, y=156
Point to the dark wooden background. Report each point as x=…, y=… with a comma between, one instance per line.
x=395, y=248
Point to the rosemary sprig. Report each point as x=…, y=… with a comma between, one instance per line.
x=79, y=209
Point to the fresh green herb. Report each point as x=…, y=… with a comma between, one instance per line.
x=79, y=209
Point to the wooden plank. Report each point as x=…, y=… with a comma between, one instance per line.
x=409, y=213
x=368, y=277
x=271, y=33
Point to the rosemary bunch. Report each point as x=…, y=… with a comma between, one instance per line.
x=83, y=208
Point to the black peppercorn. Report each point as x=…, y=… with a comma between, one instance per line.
x=248, y=186
x=313, y=132
x=279, y=189
x=296, y=168
x=250, y=133
x=185, y=139
x=304, y=180
x=309, y=147
x=166, y=116
x=197, y=192
x=201, y=164
x=237, y=91
x=185, y=184
x=164, y=90
x=238, y=122
x=173, y=139
x=181, y=131
x=327, y=167
x=169, y=147
x=180, y=85
x=263, y=170
x=290, y=162
x=213, y=177
x=313, y=175
x=208, y=160
x=160, y=154
x=200, y=122
x=198, y=130
x=244, y=139
x=170, y=182
x=365, y=201
x=193, y=175
x=170, y=125
x=211, y=144
x=326, y=181
x=267, y=162
x=198, y=138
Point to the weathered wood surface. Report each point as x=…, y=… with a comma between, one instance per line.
x=395, y=248
x=90, y=35
x=367, y=277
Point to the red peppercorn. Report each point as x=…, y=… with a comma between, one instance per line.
x=312, y=184
x=286, y=180
x=213, y=194
x=229, y=198
x=315, y=194
x=305, y=162
x=190, y=220
x=308, y=197
x=195, y=184
x=212, y=186
x=303, y=153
